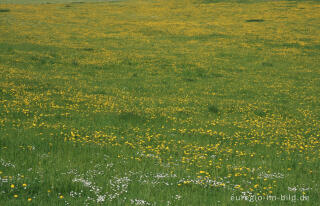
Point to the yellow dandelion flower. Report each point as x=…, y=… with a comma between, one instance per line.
x=61, y=196
x=29, y=199
x=12, y=185
x=15, y=196
x=24, y=185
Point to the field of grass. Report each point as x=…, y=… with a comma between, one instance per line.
x=172, y=102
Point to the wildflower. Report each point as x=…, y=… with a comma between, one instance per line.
x=29, y=199
x=237, y=186
x=24, y=185
x=12, y=186
x=61, y=196
x=15, y=196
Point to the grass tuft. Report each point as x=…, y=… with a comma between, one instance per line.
x=254, y=20
x=213, y=109
x=4, y=10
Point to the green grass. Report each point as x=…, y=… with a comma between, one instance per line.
x=52, y=1
x=159, y=103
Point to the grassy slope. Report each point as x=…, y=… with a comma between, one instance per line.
x=159, y=101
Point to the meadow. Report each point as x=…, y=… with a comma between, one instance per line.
x=168, y=102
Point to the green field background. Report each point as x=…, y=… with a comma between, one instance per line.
x=173, y=102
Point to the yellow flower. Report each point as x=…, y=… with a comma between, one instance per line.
x=12, y=185
x=61, y=196
x=24, y=185
x=15, y=196
x=29, y=199
x=237, y=186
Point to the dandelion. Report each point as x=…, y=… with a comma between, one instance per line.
x=29, y=199
x=61, y=196
x=12, y=186
x=15, y=196
x=24, y=185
